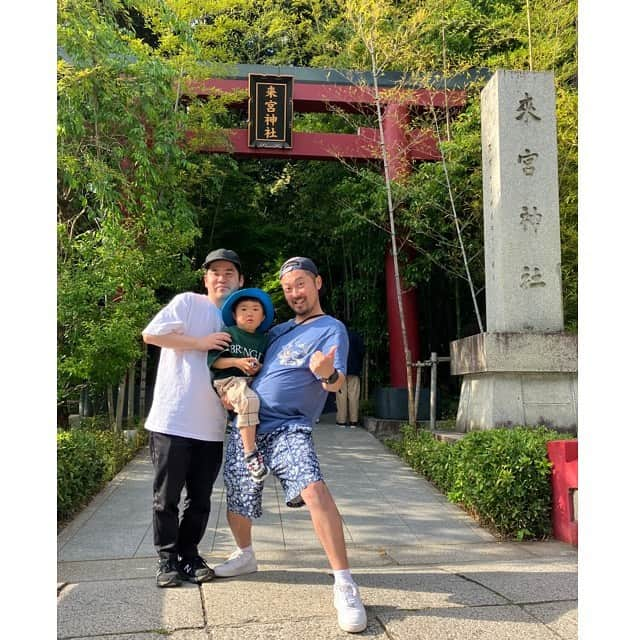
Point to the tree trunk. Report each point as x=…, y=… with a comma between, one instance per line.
x=131, y=382
x=142, y=410
x=365, y=386
x=120, y=404
x=458, y=320
x=347, y=306
x=110, y=411
x=416, y=402
x=394, y=247
x=83, y=404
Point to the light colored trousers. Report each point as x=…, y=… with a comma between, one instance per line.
x=242, y=398
x=348, y=400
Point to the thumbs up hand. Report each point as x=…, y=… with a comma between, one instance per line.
x=321, y=364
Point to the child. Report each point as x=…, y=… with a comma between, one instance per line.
x=247, y=314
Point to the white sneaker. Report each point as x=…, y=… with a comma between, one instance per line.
x=351, y=614
x=237, y=564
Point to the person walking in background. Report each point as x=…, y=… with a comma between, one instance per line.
x=187, y=419
x=348, y=396
x=306, y=358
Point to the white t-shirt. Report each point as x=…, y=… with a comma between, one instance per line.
x=184, y=402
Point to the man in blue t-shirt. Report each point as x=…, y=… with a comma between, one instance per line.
x=306, y=358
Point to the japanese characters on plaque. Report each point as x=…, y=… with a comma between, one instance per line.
x=270, y=111
x=530, y=217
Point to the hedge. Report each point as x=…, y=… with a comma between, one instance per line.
x=500, y=476
x=87, y=460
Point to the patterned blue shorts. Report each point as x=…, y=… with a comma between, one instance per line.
x=290, y=454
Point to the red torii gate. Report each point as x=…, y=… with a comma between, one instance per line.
x=324, y=91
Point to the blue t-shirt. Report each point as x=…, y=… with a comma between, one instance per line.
x=289, y=393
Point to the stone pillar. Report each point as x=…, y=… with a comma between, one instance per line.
x=395, y=122
x=521, y=214
x=523, y=370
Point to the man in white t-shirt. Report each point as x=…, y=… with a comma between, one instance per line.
x=187, y=420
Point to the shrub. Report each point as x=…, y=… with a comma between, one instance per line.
x=80, y=469
x=501, y=476
x=425, y=454
x=87, y=459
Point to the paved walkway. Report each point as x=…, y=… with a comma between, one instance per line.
x=424, y=568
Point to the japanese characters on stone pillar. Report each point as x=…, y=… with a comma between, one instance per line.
x=523, y=370
x=521, y=213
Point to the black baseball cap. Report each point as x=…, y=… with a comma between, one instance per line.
x=299, y=263
x=222, y=254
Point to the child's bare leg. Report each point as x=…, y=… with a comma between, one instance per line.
x=248, y=435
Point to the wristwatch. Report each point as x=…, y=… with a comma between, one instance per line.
x=332, y=378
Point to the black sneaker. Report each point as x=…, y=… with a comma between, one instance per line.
x=195, y=570
x=296, y=503
x=258, y=470
x=168, y=574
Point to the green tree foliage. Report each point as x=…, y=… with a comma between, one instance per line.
x=124, y=220
x=270, y=210
x=138, y=209
x=444, y=38
x=275, y=32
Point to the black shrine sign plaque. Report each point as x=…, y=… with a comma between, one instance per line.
x=270, y=111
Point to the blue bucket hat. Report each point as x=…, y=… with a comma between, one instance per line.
x=254, y=294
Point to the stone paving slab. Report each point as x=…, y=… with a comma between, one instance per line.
x=560, y=617
x=437, y=553
x=183, y=634
x=420, y=588
x=146, y=548
x=114, y=569
x=359, y=557
x=302, y=539
x=268, y=559
x=462, y=623
x=525, y=582
x=103, y=541
x=445, y=529
x=222, y=542
x=71, y=529
x=551, y=549
x=268, y=596
x=425, y=569
x=300, y=593
x=305, y=629
x=218, y=503
x=367, y=533
x=126, y=606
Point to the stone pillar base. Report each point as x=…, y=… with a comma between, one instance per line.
x=489, y=400
x=512, y=379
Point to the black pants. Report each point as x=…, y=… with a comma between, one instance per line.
x=182, y=462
